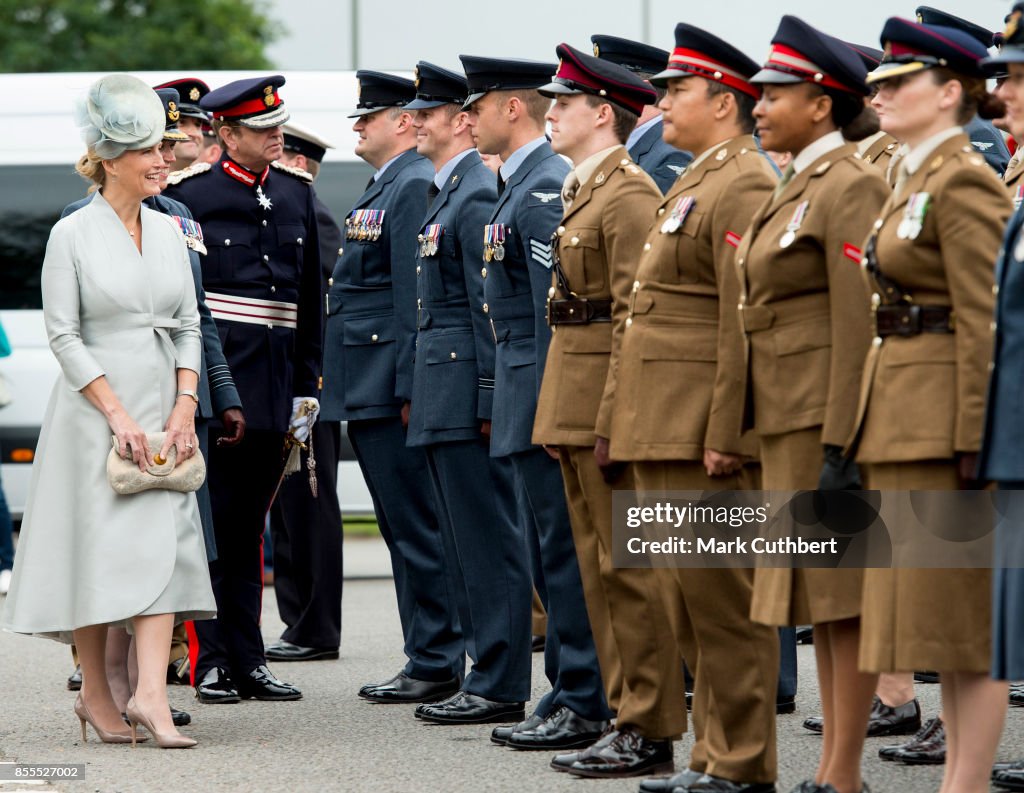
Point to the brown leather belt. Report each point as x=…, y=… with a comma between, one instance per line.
x=578, y=311
x=912, y=320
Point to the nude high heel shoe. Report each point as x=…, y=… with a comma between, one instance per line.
x=82, y=711
x=165, y=740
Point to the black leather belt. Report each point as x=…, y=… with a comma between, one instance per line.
x=578, y=311
x=912, y=320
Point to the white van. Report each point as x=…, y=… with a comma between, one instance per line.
x=38, y=151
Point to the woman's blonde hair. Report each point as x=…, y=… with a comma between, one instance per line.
x=90, y=167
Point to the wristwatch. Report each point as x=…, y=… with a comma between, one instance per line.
x=188, y=393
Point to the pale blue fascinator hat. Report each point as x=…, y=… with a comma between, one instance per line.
x=118, y=113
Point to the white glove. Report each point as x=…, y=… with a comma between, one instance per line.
x=304, y=413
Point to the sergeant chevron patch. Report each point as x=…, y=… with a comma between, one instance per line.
x=541, y=252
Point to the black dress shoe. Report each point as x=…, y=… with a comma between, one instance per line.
x=500, y=735
x=715, y=784
x=402, y=688
x=902, y=720
x=217, y=688
x=563, y=762
x=537, y=642
x=627, y=754
x=926, y=677
x=667, y=784
x=928, y=747
x=1017, y=695
x=261, y=684
x=286, y=651
x=784, y=705
x=1011, y=765
x=75, y=681
x=1011, y=780
x=178, y=672
x=562, y=729
x=180, y=717
x=466, y=708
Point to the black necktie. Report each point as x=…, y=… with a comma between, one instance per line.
x=432, y=192
x=501, y=185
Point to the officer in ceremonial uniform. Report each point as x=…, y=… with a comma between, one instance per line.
x=369, y=353
x=507, y=118
x=452, y=396
x=306, y=527
x=216, y=393
x=678, y=351
x=607, y=202
x=984, y=137
x=262, y=276
x=646, y=144
x=192, y=119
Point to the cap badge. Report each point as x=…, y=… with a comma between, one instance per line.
x=194, y=94
x=172, y=112
x=597, y=51
x=1012, y=25
x=416, y=75
x=268, y=96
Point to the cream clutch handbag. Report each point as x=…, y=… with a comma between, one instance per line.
x=126, y=478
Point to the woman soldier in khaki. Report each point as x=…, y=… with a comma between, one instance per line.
x=805, y=314
x=930, y=264
x=881, y=148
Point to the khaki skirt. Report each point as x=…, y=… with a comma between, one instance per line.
x=924, y=619
x=809, y=596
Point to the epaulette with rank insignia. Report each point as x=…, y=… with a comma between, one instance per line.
x=305, y=176
x=628, y=166
x=177, y=177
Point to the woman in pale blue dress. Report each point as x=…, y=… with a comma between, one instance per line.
x=120, y=309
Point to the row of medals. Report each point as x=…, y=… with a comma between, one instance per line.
x=363, y=231
x=494, y=250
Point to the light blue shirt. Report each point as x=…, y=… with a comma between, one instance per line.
x=511, y=165
x=385, y=166
x=446, y=170
x=640, y=131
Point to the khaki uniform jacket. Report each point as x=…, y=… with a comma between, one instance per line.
x=598, y=245
x=880, y=154
x=1012, y=178
x=677, y=369
x=923, y=397
x=803, y=305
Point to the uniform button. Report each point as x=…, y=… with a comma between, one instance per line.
x=266, y=258
x=486, y=309
x=227, y=242
x=636, y=286
x=624, y=161
x=341, y=251
x=374, y=337
x=661, y=211
x=992, y=327
x=995, y=290
x=330, y=282
x=419, y=302
x=483, y=272
x=264, y=223
x=878, y=224
x=299, y=240
x=273, y=289
x=647, y=246
x=877, y=341
x=574, y=241
x=561, y=230
x=551, y=291
x=418, y=269
x=740, y=306
x=453, y=356
x=740, y=262
x=991, y=365
x=629, y=322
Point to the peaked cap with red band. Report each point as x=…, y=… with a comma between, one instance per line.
x=190, y=91
x=252, y=102
x=912, y=47
x=803, y=54
x=579, y=73
x=702, y=54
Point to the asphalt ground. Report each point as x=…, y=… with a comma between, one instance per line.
x=333, y=741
